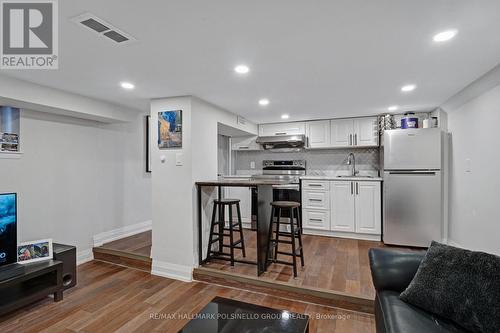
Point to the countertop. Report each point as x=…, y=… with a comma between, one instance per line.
x=359, y=179
x=239, y=182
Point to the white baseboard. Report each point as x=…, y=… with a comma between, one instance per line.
x=84, y=256
x=172, y=271
x=341, y=234
x=126, y=231
x=455, y=244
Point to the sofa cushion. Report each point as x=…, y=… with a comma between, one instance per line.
x=460, y=285
x=394, y=315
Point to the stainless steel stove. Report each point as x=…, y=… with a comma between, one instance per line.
x=288, y=173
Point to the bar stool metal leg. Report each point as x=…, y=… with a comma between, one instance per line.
x=221, y=225
x=240, y=226
x=277, y=238
x=231, y=239
x=299, y=234
x=212, y=228
x=270, y=238
x=294, y=252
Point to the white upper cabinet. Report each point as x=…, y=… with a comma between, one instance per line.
x=366, y=132
x=244, y=143
x=318, y=134
x=358, y=132
x=341, y=132
x=368, y=207
x=282, y=129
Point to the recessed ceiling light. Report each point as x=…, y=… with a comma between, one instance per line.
x=408, y=87
x=127, y=85
x=241, y=69
x=285, y=116
x=264, y=102
x=393, y=108
x=445, y=35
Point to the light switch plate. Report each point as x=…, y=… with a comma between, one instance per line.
x=179, y=159
x=468, y=165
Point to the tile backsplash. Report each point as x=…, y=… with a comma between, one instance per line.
x=329, y=162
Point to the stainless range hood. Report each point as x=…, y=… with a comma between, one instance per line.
x=282, y=142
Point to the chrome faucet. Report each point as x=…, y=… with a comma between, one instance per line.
x=351, y=160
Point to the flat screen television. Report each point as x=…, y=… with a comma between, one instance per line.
x=8, y=228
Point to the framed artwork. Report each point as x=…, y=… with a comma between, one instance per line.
x=34, y=251
x=170, y=129
x=148, y=144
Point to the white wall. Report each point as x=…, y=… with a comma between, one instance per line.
x=27, y=95
x=174, y=248
x=77, y=178
x=474, y=195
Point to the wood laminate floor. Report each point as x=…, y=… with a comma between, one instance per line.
x=111, y=298
x=139, y=244
x=336, y=264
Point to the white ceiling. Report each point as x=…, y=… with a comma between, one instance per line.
x=312, y=59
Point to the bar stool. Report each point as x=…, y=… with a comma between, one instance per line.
x=217, y=236
x=291, y=237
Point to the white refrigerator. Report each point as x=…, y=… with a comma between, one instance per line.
x=414, y=187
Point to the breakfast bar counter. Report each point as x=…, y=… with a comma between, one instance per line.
x=205, y=196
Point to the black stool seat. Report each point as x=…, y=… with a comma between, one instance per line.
x=295, y=233
x=220, y=229
x=285, y=204
x=227, y=201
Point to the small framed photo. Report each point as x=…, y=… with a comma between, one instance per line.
x=34, y=251
x=170, y=129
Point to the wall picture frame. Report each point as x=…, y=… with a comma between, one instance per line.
x=148, y=144
x=170, y=129
x=35, y=251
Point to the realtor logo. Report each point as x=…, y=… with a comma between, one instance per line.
x=29, y=34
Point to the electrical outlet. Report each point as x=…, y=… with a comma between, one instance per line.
x=252, y=165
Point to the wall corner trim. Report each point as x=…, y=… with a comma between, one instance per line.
x=126, y=231
x=84, y=256
x=172, y=271
x=455, y=244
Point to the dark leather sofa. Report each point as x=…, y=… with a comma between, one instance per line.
x=392, y=271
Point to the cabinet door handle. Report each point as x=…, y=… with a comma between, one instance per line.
x=315, y=185
x=357, y=188
x=355, y=139
x=350, y=139
x=315, y=200
x=352, y=189
x=319, y=220
x=280, y=133
x=244, y=147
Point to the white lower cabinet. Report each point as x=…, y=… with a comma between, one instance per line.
x=245, y=196
x=350, y=209
x=342, y=206
x=368, y=208
x=316, y=219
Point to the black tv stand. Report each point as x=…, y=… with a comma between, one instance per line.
x=10, y=271
x=36, y=282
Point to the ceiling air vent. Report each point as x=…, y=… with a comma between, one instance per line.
x=102, y=28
